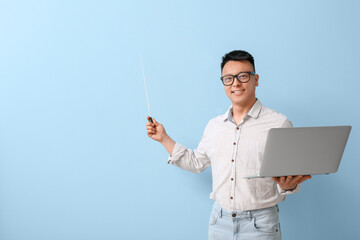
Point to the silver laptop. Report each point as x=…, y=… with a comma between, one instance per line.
x=303, y=151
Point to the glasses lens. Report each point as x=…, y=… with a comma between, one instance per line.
x=243, y=77
x=227, y=80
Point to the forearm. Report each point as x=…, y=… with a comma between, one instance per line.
x=187, y=159
x=179, y=156
x=168, y=144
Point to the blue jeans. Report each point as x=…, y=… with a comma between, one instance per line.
x=261, y=224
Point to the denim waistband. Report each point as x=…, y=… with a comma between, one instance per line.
x=249, y=213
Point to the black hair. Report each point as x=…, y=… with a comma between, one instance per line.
x=237, y=55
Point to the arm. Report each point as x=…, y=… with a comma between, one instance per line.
x=194, y=161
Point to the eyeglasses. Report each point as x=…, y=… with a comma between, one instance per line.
x=242, y=77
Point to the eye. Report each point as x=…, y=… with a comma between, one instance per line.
x=227, y=79
x=243, y=76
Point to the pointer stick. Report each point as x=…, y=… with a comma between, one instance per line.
x=147, y=96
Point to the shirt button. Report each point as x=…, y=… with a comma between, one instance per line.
x=231, y=197
x=233, y=215
x=237, y=128
x=232, y=179
x=232, y=160
x=234, y=143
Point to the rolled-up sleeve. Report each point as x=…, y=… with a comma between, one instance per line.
x=192, y=160
x=286, y=192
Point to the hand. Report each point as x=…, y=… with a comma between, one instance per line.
x=290, y=182
x=155, y=131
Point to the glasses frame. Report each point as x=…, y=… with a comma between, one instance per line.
x=237, y=77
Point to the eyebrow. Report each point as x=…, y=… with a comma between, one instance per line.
x=238, y=73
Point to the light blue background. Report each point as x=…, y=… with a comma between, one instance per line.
x=75, y=161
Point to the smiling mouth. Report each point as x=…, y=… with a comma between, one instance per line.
x=238, y=92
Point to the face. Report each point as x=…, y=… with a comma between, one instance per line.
x=241, y=94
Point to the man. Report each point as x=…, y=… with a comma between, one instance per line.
x=233, y=144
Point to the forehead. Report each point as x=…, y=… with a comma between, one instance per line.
x=234, y=67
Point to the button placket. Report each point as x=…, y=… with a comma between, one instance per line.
x=233, y=165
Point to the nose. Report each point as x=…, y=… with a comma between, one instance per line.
x=236, y=82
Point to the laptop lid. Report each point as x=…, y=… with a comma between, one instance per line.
x=303, y=151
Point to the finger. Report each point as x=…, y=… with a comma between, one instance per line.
x=276, y=179
x=151, y=131
x=302, y=180
x=149, y=124
x=155, y=122
x=288, y=179
x=305, y=178
x=298, y=178
x=282, y=179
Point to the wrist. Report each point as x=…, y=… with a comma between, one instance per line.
x=168, y=143
x=291, y=189
x=164, y=139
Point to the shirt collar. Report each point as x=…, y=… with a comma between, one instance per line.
x=254, y=111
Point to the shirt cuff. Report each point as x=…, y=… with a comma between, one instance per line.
x=178, y=151
x=286, y=192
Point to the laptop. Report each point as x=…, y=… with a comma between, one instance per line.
x=303, y=151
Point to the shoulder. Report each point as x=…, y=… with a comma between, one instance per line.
x=216, y=121
x=219, y=118
x=273, y=115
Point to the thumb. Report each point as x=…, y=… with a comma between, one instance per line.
x=155, y=122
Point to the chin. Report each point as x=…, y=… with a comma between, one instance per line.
x=243, y=101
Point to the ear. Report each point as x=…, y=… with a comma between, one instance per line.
x=256, y=80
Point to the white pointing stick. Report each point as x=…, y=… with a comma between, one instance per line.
x=147, y=96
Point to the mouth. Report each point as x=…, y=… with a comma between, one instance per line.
x=237, y=92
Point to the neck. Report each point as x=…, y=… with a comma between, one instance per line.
x=239, y=111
